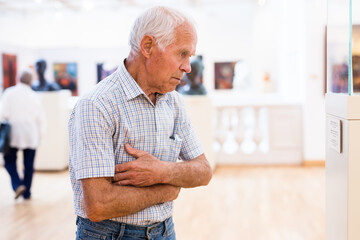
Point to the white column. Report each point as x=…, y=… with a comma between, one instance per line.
x=342, y=167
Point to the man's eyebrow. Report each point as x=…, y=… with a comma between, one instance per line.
x=184, y=50
x=187, y=52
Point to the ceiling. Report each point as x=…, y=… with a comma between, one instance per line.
x=37, y=6
x=33, y=6
x=73, y=23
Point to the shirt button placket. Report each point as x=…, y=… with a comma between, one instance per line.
x=158, y=126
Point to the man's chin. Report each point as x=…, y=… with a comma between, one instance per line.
x=168, y=90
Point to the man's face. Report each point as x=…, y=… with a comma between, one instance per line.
x=166, y=67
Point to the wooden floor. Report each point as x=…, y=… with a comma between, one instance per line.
x=241, y=203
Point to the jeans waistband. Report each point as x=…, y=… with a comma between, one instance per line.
x=166, y=226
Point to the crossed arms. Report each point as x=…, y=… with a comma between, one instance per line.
x=141, y=183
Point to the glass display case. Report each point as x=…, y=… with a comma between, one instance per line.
x=343, y=47
x=343, y=120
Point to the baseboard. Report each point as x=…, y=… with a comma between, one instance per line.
x=305, y=163
x=314, y=163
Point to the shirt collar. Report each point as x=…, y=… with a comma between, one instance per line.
x=130, y=86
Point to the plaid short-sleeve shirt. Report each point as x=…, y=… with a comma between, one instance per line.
x=116, y=112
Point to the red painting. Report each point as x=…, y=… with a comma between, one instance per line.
x=9, y=70
x=224, y=75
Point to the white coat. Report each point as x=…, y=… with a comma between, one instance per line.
x=21, y=107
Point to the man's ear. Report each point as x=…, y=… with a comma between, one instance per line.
x=147, y=45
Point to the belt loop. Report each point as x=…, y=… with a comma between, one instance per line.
x=122, y=231
x=165, y=234
x=147, y=237
x=77, y=220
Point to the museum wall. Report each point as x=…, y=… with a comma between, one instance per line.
x=283, y=40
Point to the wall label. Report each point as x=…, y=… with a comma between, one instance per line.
x=335, y=134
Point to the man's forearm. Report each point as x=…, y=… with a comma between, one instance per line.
x=103, y=200
x=188, y=174
x=147, y=170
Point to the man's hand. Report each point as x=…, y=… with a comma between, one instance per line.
x=146, y=170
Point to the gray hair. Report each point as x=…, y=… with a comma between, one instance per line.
x=159, y=22
x=26, y=77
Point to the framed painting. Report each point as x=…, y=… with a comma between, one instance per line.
x=103, y=70
x=65, y=75
x=224, y=75
x=9, y=70
x=356, y=58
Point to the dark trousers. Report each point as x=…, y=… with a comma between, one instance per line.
x=10, y=165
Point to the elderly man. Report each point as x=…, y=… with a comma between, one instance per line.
x=127, y=134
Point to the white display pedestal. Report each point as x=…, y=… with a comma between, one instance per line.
x=52, y=154
x=200, y=110
x=342, y=167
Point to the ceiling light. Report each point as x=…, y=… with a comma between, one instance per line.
x=58, y=5
x=261, y=2
x=88, y=5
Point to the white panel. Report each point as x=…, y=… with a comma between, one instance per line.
x=336, y=187
x=285, y=126
x=354, y=180
x=343, y=105
x=52, y=153
x=200, y=110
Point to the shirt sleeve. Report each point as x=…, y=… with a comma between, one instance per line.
x=191, y=146
x=91, y=144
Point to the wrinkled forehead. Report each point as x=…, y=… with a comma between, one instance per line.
x=188, y=29
x=186, y=35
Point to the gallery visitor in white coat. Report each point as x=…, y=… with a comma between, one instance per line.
x=21, y=108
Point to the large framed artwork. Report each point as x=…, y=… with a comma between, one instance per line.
x=65, y=75
x=356, y=73
x=356, y=58
x=9, y=70
x=224, y=75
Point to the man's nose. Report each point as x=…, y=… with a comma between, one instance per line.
x=186, y=67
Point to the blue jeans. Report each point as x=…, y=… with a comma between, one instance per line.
x=11, y=167
x=111, y=230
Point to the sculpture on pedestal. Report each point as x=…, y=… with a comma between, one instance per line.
x=193, y=79
x=42, y=84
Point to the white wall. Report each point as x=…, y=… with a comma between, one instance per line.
x=86, y=59
x=23, y=56
x=314, y=104
x=284, y=38
x=264, y=37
